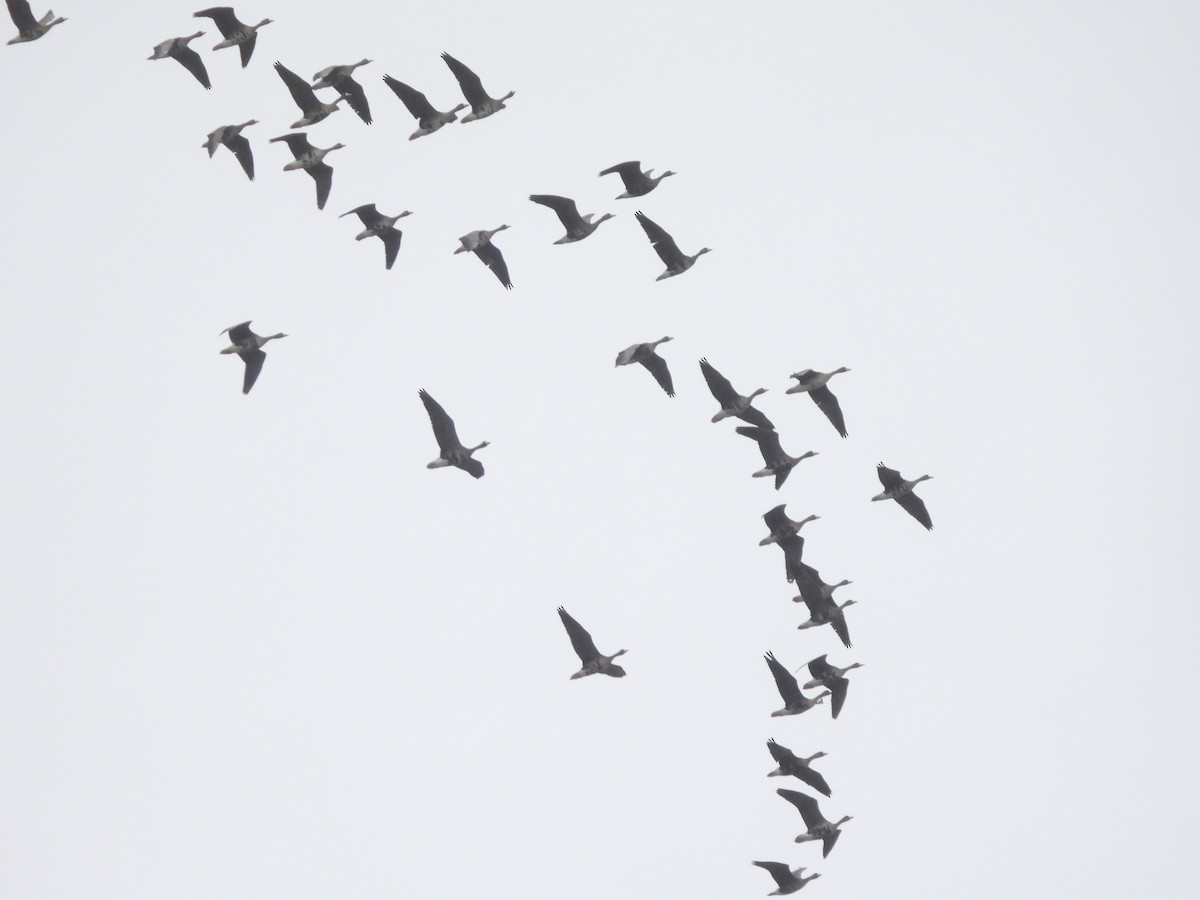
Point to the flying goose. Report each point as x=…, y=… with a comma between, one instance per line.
x=341, y=80
x=789, y=880
x=794, y=702
x=480, y=243
x=453, y=453
x=819, y=828
x=896, y=488
x=815, y=384
x=29, y=28
x=231, y=137
x=832, y=677
x=311, y=160
x=637, y=182
x=428, y=119
x=482, y=105
x=676, y=260
x=655, y=364
x=781, y=526
x=777, y=462
x=248, y=345
x=380, y=226
x=178, y=50
x=732, y=403
x=826, y=612
x=578, y=227
x=799, y=767
x=593, y=660
x=236, y=33
x=314, y=110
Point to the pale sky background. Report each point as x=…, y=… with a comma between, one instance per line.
x=250, y=647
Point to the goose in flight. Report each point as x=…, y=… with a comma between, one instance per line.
x=826, y=612
x=832, y=677
x=732, y=403
x=593, y=660
x=668, y=251
x=314, y=110
x=311, y=160
x=480, y=243
x=777, y=462
x=819, y=828
x=815, y=384
x=231, y=137
x=236, y=33
x=798, y=767
x=428, y=119
x=655, y=364
x=637, y=182
x=452, y=452
x=794, y=702
x=341, y=79
x=781, y=526
x=178, y=50
x=249, y=346
x=788, y=879
x=482, y=105
x=578, y=227
x=896, y=488
x=380, y=226
x=28, y=27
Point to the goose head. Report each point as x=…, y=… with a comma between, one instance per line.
x=842, y=821
x=478, y=446
x=847, y=603
x=701, y=252
x=261, y=24
x=807, y=455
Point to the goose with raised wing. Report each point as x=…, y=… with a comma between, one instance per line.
x=781, y=526
x=341, y=79
x=29, y=27
x=578, y=227
x=798, y=767
x=668, y=251
x=480, y=243
x=815, y=384
x=311, y=160
x=637, y=182
x=380, y=226
x=314, y=110
x=428, y=119
x=594, y=662
x=249, y=346
x=452, y=451
x=832, y=677
x=794, y=701
x=646, y=355
x=819, y=828
x=898, y=489
x=732, y=403
x=231, y=137
x=178, y=50
x=778, y=463
x=789, y=880
x=482, y=105
x=236, y=32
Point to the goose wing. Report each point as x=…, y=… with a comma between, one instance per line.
x=820, y=668
x=779, y=871
x=838, y=688
x=297, y=143
x=241, y=149
x=568, y=212
x=239, y=333
x=391, y=245
x=777, y=520
x=828, y=842
x=807, y=805
x=222, y=17
x=782, y=755
x=813, y=779
x=657, y=366
x=721, y=389
x=664, y=244
x=22, y=15
x=246, y=48
x=190, y=60
x=837, y=620
x=355, y=96
x=756, y=417
x=443, y=425
x=580, y=639
x=418, y=104
x=889, y=478
x=300, y=89
x=468, y=81
x=323, y=175
x=494, y=260
x=828, y=404
x=254, y=360
x=789, y=689
x=367, y=214
x=768, y=442
x=793, y=554
x=630, y=172
x=915, y=507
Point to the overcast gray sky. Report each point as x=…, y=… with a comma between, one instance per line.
x=250, y=647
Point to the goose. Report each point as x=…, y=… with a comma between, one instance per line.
x=812, y=587
x=178, y=50
x=819, y=828
x=480, y=243
x=578, y=227
x=311, y=160
x=655, y=364
x=428, y=119
x=668, y=251
x=249, y=346
x=794, y=702
x=340, y=79
x=314, y=110
x=482, y=105
x=231, y=137
x=826, y=612
x=732, y=403
x=453, y=453
x=832, y=677
x=777, y=462
x=814, y=384
x=896, y=488
x=593, y=660
x=236, y=33
x=788, y=879
x=799, y=767
x=380, y=226
x=637, y=182
x=781, y=526
x=29, y=28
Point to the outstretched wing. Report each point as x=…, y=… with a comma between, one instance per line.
x=443, y=425
x=416, y=102
x=580, y=639
x=241, y=149
x=789, y=689
x=322, y=174
x=355, y=96
x=806, y=804
x=777, y=520
x=568, y=212
x=782, y=755
x=297, y=142
x=915, y=507
x=819, y=668
x=889, y=478
x=247, y=48
x=391, y=246
x=664, y=244
x=721, y=389
x=222, y=17
x=22, y=15
x=367, y=214
x=239, y=333
x=838, y=688
x=472, y=87
x=813, y=779
x=254, y=360
x=190, y=60
x=494, y=260
x=657, y=366
x=779, y=871
x=828, y=404
x=300, y=89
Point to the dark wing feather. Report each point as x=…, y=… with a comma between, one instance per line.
x=472, y=87
x=837, y=620
x=367, y=214
x=247, y=48
x=355, y=96
x=471, y=465
x=297, y=142
x=223, y=17
x=254, y=360
x=323, y=176
x=580, y=639
x=779, y=871
x=663, y=243
x=782, y=755
x=239, y=333
x=756, y=417
x=630, y=172
x=915, y=507
x=721, y=389
x=443, y=425
x=789, y=689
x=568, y=212
x=806, y=804
x=494, y=260
x=820, y=668
x=418, y=104
x=838, y=688
x=657, y=366
x=22, y=15
x=889, y=478
x=793, y=554
x=300, y=89
x=813, y=779
x=241, y=149
x=391, y=243
x=777, y=520
x=190, y=60
x=828, y=404
x=829, y=841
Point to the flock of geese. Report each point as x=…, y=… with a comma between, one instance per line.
x=813, y=591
